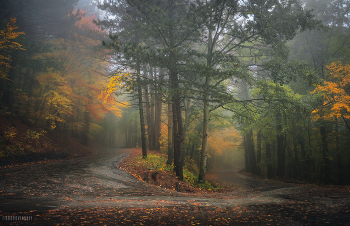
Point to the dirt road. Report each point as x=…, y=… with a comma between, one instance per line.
x=65, y=188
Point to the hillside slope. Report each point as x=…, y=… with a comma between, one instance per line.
x=20, y=143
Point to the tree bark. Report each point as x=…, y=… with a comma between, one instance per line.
x=142, y=118
x=296, y=153
x=204, y=153
x=325, y=155
x=258, y=152
x=280, y=147
x=250, y=153
x=177, y=129
x=151, y=131
x=269, y=160
x=148, y=113
x=170, y=135
x=158, y=113
x=337, y=147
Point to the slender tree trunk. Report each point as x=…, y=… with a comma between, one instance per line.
x=258, y=152
x=175, y=97
x=296, y=153
x=187, y=121
x=177, y=130
x=337, y=147
x=170, y=135
x=246, y=153
x=158, y=113
x=148, y=113
x=269, y=160
x=204, y=152
x=142, y=118
x=305, y=161
x=325, y=155
x=151, y=131
x=252, y=158
x=280, y=147
x=205, y=133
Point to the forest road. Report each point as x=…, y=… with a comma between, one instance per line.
x=96, y=181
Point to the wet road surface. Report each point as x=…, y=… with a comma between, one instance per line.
x=77, y=182
x=96, y=181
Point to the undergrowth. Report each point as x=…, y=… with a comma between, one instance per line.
x=158, y=162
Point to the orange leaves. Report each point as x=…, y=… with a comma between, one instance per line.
x=163, y=139
x=9, y=33
x=335, y=93
x=7, y=44
x=86, y=22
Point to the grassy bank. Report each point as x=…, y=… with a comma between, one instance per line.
x=154, y=170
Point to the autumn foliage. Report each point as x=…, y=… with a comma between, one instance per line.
x=61, y=88
x=7, y=43
x=335, y=92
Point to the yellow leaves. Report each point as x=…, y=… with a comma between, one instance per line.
x=6, y=45
x=31, y=134
x=117, y=81
x=335, y=93
x=10, y=133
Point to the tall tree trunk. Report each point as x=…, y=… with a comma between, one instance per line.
x=269, y=160
x=142, y=118
x=246, y=153
x=250, y=153
x=176, y=104
x=170, y=135
x=252, y=158
x=280, y=147
x=158, y=113
x=258, y=152
x=326, y=169
x=204, y=152
x=296, y=153
x=205, y=133
x=305, y=161
x=148, y=113
x=177, y=130
x=187, y=109
x=337, y=147
x=151, y=131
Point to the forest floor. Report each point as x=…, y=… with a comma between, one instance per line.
x=21, y=145
x=97, y=190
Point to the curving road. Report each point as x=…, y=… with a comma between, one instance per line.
x=97, y=182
